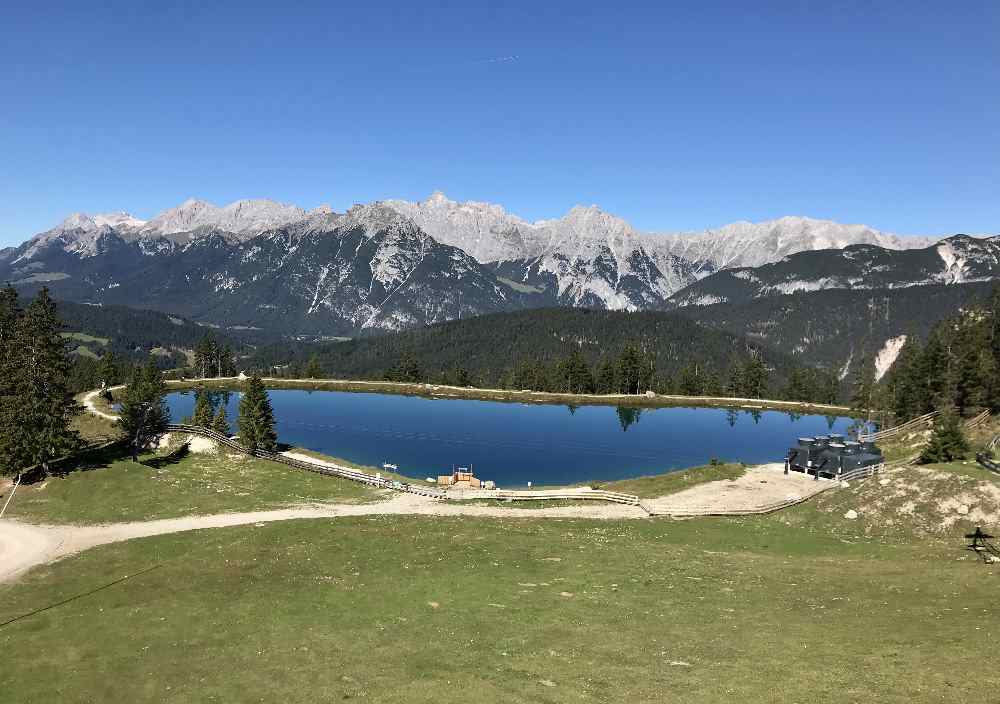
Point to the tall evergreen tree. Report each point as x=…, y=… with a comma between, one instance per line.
x=630, y=369
x=755, y=376
x=10, y=428
x=256, y=421
x=574, y=375
x=107, y=370
x=220, y=423
x=947, y=442
x=206, y=357
x=606, y=379
x=42, y=385
x=313, y=368
x=203, y=410
x=863, y=387
x=144, y=415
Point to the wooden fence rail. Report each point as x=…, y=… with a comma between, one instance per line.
x=326, y=468
x=901, y=428
x=568, y=494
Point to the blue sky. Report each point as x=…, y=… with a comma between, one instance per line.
x=672, y=115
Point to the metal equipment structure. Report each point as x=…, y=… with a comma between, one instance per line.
x=833, y=457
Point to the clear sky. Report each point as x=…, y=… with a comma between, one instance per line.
x=672, y=115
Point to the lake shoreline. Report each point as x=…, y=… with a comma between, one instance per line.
x=444, y=392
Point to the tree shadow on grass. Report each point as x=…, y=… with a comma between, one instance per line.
x=171, y=458
x=82, y=461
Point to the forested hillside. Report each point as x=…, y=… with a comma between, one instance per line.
x=838, y=328
x=106, y=341
x=958, y=367
x=559, y=349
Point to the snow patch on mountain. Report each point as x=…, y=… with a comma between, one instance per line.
x=243, y=217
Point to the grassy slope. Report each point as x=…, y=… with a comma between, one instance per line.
x=708, y=611
x=120, y=490
x=672, y=482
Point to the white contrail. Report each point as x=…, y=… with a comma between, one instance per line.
x=500, y=59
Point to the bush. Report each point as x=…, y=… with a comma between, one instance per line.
x=947, y=442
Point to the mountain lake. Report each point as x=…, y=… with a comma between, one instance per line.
x=515, y=443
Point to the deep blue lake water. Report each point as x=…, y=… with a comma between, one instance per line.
x=516, y=443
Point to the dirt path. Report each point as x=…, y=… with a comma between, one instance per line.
x=23, y=546
x=760, y=486
x=91, y=406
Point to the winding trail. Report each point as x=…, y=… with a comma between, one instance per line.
x=23, y=545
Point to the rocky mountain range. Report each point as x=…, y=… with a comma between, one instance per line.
x=954, y=260
x=396, y=264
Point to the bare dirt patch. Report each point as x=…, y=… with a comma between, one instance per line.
x=758, y=488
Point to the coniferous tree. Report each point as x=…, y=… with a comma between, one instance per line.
x=574, y=375
x=256, y=421
x=690, y=381
x=107, y=370
x=203, y=411
x=755, y=378
x=313, y=368
x=220, y=423
x=144, y=415
x=863, y=387
x=407, y=370
x=735, y=386
x=45, y=407
x=206, y=357
x=460, y=377
x=947, y=442
x=606, y=379
x=10, y=428
x=630, y=370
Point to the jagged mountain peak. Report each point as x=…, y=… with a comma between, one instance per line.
x=247, y=217
x=86, y=222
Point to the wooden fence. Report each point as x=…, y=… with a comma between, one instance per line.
x=557, y=494
x=912, y=424
x=987, y=462
x=980, y=420
x=326, y=468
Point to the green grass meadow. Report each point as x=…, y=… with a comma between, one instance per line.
x=505, y=610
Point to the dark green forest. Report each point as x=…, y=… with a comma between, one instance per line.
x=563, y=350
x=957, y=368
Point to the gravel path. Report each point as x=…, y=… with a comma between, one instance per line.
x=91, y=406
x=23, y=545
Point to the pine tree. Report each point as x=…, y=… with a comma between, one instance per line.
x=10, y=428
x=206, y=357
x=906, y=390
x=574, y=374
x=226, y=361
x=407, y=370
x=755, y=378
x=606, y=380
x=689, y=381
x=863, y=388
x=107, y=371
x=313, y=369
x=144, y=415
x=629, y=370
x=203, y=411
x=42, y=385
x=220, y=423
x=256, y=421
x=460, y=377
x=947, y=442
